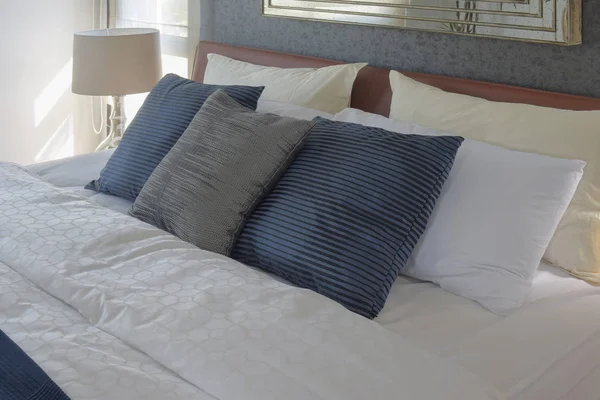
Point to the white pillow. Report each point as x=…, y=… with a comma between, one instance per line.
x=290, y=110
x=494, y=219
x=557, y=133
x=325, y=89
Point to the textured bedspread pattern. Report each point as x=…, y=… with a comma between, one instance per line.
x=111, y=307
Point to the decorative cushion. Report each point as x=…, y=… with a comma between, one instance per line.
x=325, y=89
x=556, y=133
x=166, y=113
x=225, y=162
x=346, y=215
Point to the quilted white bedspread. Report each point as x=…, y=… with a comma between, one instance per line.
x=112, y=308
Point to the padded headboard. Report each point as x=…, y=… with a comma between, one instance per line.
x=372, y=92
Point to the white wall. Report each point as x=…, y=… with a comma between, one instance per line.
x=39, y=117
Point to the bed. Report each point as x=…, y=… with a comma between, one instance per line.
x=81, y=324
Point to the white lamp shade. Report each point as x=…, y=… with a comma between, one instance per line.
x=116, y=62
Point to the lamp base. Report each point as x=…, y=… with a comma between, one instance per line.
x=118, y=120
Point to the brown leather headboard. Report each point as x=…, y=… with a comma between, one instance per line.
x=372, y=90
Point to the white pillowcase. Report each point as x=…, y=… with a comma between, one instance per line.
x=325, y=89
x=557, y=133
x=493, y=221
x=290, y=110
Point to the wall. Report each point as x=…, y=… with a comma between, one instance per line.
x=564, y=69
x=38, y=118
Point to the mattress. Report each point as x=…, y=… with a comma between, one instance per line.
x=549, y=349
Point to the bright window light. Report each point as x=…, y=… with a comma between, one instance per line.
x=170, y=17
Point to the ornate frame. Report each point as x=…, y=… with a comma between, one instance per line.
x=543, y=21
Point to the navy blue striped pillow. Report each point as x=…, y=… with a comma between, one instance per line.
x=164, y=116
x=345, y=216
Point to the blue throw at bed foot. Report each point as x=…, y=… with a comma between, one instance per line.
x=21, y=378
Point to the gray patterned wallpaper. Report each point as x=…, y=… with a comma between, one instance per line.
x=573, y=70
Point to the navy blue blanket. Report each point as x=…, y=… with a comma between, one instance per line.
x=21, y=378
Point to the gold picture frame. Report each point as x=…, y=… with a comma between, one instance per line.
x=542, y=21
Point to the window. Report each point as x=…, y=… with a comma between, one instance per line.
x=169, y=16
x=175, y=19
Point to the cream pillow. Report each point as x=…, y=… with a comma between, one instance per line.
x=325, y=89
x=558, y=133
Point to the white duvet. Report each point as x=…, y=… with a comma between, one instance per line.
x=112, y=308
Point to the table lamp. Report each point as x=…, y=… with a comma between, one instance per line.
x=116, y=62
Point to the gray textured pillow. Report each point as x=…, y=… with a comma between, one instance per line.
x=227, y=160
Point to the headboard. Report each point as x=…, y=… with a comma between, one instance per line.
x=372, y=92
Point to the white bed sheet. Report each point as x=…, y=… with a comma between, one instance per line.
x=549, y=349
x=75, y=172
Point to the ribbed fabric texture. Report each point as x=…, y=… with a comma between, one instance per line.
x=226, y=161
x=21, y=378
x=345, y=216
x=164, y=116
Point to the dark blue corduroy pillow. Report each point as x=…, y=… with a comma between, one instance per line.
x=164, y=116
x=345, y=216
